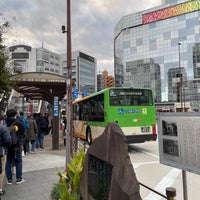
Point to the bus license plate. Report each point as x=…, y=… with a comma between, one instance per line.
x=145, y=129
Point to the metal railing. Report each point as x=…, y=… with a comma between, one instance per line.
x=170, y=192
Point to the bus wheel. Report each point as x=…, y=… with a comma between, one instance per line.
x=89, y=136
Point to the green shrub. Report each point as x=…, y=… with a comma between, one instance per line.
x=68, y=185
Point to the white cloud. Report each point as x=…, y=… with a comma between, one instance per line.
x=40, y=21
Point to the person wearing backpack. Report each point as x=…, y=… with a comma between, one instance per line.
x=26, y=126
x=15, y=150
x=5, y=142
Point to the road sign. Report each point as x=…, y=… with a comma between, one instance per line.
x=75, y=93
x=55, y=106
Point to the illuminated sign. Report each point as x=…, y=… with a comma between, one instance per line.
x=172, y=11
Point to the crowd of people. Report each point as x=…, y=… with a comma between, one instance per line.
x=30, y=133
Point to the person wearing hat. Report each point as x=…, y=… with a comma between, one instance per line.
x=15, y=151
x=5, y=142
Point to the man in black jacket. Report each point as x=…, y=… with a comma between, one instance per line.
x=5, y=142
x=15, y=151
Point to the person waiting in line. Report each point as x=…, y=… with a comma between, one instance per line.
x=64, y=129
x=15, y=151
x=64, y=125
x=5, y=142
x=41, y=129
x=46, y=124
x=32, y=133
x=26, y=126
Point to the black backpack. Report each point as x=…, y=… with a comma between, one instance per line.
x=13, y=134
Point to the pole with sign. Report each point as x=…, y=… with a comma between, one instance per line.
x=69, y=135
x=55, y=136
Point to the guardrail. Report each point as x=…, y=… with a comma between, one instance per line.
x=170, y=192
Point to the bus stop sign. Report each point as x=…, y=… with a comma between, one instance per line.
x=84, y=93
x=75, y=93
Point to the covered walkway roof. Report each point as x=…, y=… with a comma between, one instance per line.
x=40, y=85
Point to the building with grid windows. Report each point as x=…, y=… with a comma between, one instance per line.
x=174, y=83
x=100, y=82
x=84, y=67
x=146, y=74
x=27, y=59
x=24, y=58
x=168, y=1
x=84, y=70
x=104, y=80
x=167, y=36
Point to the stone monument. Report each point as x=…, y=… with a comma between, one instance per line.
x=108, y=173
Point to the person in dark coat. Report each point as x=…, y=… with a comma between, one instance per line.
x=5, y=142
x=46, y=124
x=32, y=133
x=41, y=130
x=26, y=126
x=15, y=151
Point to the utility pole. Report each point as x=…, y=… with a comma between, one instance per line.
x=69, y=133
x=69, y=143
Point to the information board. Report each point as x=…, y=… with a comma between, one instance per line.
x=179, y=140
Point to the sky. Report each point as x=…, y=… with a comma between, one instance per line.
x=38, y=22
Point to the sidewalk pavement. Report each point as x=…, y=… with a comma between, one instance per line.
x=39, y=171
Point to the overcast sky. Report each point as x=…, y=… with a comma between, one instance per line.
x=39, y=21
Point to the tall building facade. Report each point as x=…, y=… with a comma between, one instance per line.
x=146, y=74
x=196, y=60
x=104, y=80
x=100, y=82
x=169, y=35
x=108, y=79
x=84, y=70
x=176, y=78
x=84, y=67
x=27, y=59
x=24, y=58
x=168, y=1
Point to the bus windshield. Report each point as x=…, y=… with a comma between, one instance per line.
x=130, y=97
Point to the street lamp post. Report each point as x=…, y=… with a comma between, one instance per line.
x=181, y=77
x=184, y=177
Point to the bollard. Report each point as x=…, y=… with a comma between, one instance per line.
x=171, y=193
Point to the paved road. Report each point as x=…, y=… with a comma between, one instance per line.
x=149, y=171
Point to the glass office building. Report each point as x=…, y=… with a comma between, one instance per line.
x=163, y=37
x=168, y=1
x=84, y=70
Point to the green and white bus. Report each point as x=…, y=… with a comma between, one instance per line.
x=132, y=108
